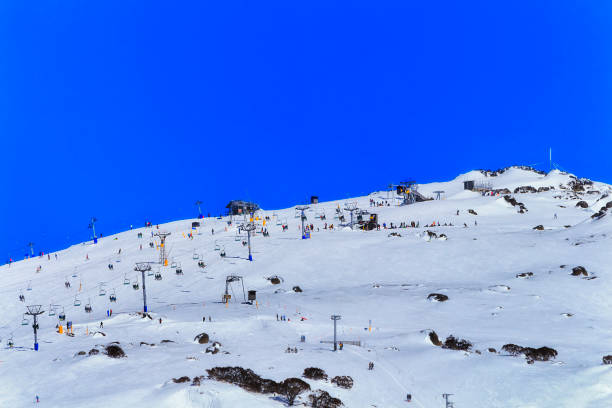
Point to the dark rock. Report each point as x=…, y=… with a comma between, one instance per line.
x=94, y=352
x=579, y=270
x=438, y=297
x=201, y=338
x=114, y=351
x=524, y=275
x=297, y=289
x=472, y=212
x=607, y=359
x=433, y=337
x=582, y=204
x=539, y=227
x=181, y=380
x=492, y=350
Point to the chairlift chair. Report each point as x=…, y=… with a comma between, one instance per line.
x=88, y=308
x=62, y=316
x=217, y=246
x=51, y=310
x=195, y=255
x=77, y=301
x=158, y=276
x=102, y=290
x=135, y=285
x=112, y=297
x=25, y=321
x=173, y=264
x=179, y=269
x=10, y=343
x=126, y=280
x=29, y=285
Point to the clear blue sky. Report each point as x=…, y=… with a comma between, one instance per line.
x=133, y=110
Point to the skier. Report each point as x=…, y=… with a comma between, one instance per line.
x=408, y=397
x=101, y=325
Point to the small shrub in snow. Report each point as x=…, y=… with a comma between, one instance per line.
x=607, y=359
x=314, y=373
x=343, y=381
x=94, y=352
x=456, y=344
x=532, y=354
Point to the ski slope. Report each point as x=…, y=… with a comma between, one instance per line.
x=362, y=276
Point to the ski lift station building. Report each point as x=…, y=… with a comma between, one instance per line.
x=236, y=207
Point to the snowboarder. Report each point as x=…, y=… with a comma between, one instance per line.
x=160, y=320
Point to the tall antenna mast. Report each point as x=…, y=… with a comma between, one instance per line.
x=550, y=158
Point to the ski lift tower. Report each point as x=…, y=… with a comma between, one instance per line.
x=163, y=257
x=351, y=207
x=449, y=404
x=248, y=228
x=34, y=310
x=143, y=267
x=92, y=226
x=302, y=208
x=198, y=203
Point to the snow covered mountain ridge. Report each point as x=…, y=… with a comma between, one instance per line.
x=497, y=294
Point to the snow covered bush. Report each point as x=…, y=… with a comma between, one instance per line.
x=438, y=297
x=322, y=399
x=456, y=344
x=314, y=373
x=291, y=388
x=343, y=381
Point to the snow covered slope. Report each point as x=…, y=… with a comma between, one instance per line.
x=506, y=284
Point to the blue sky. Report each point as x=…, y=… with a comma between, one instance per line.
x=133, y=110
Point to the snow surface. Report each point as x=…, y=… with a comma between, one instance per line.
x=360, y=275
